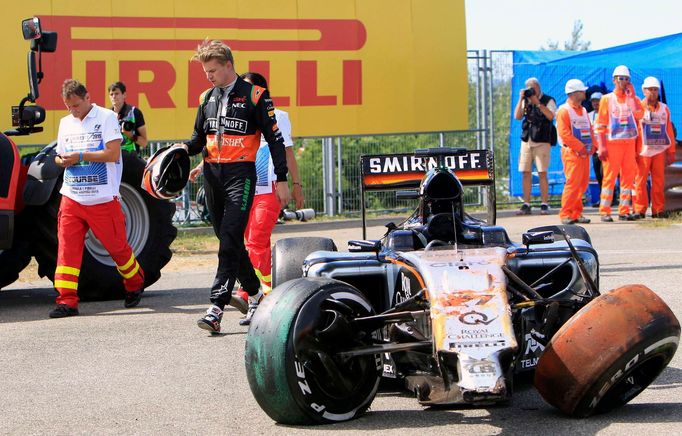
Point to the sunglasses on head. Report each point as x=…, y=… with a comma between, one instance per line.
x=623, y=78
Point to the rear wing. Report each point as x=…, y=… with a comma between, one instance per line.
x=406, y=170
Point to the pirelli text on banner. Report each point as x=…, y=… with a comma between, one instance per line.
x=326, y=61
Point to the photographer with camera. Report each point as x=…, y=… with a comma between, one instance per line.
x=537, y=110
x=130, y=118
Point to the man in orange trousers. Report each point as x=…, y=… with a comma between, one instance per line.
x=575, y=136
x=616, y=131
x=657, y=149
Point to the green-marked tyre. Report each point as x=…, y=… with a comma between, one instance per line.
x=292, y=364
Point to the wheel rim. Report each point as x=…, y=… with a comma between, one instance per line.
x=319, y=343
x=137, y=226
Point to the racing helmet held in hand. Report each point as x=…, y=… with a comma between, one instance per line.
x=166, y=173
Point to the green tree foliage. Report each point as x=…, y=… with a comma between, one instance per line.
x=501, y=117
x=574, y=43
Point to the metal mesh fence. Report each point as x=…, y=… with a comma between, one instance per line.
x=345, y=192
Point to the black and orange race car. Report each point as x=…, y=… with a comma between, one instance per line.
x=451, y=308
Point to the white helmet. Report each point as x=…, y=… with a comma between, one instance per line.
x=651, y=82
x=621, y=70
x=574, y=85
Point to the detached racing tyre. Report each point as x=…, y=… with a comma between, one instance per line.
x=288, y=256
x=149, y=230
x=608, y=352
x=291, y=356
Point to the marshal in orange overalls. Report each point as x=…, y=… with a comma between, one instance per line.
x=656, y=149
x=616, y=129
x=575, y=136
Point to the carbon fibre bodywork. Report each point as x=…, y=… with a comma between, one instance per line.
x=461, y=308
x=450, y=307
x=392, y=279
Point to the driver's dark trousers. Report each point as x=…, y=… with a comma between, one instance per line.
x=229, y=195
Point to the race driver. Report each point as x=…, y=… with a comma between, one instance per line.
x=227, y=131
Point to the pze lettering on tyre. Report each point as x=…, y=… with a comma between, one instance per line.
x=626, y=369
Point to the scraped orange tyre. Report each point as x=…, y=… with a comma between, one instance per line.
x=608, y=352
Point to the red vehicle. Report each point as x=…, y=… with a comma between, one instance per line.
x=29, y=200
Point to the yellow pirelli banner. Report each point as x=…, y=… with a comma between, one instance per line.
x=339, y=68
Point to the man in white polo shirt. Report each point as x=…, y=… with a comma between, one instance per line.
x=89, y=148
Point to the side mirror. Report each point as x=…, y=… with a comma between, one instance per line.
x=30, y=27
x=364, y=246
x=533, y=238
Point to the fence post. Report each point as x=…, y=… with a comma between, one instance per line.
x=328, y=176
x=339, y=174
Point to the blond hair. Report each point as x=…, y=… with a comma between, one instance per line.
x=215, y=49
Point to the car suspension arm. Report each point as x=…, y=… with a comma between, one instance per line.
x=371, y=323
x=385, y=348
x=591, y=286
x=520, y=283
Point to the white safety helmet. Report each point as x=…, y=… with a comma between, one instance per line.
x=651, y=82
x=596, y=95
x=574, y=85
x=621, y=70
x=166, y=173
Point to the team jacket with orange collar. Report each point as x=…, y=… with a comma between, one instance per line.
x=249, y=113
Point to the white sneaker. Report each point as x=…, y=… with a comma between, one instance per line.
x=253, y=305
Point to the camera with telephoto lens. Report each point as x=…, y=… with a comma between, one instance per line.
x=528, y=92
x=128, y=126
x=300, y=214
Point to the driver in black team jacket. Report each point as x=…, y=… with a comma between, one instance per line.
x=230, y=119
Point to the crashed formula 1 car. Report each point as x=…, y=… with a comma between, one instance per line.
x=449, y=306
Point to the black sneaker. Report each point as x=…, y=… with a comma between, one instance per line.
x=63, y=310
x=544, y=209
x=252, y=309
x=211, y=321
x=660, y=215
x=628, y=217
x=606, y=219
x=525, y=209
x=568, y=221
x=133, y=298
x=583, y=220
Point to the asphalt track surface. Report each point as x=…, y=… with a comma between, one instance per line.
x=150, y=370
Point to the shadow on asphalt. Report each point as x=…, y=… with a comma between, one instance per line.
x=19, y=305
x=511, y=419
x=527, y=413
